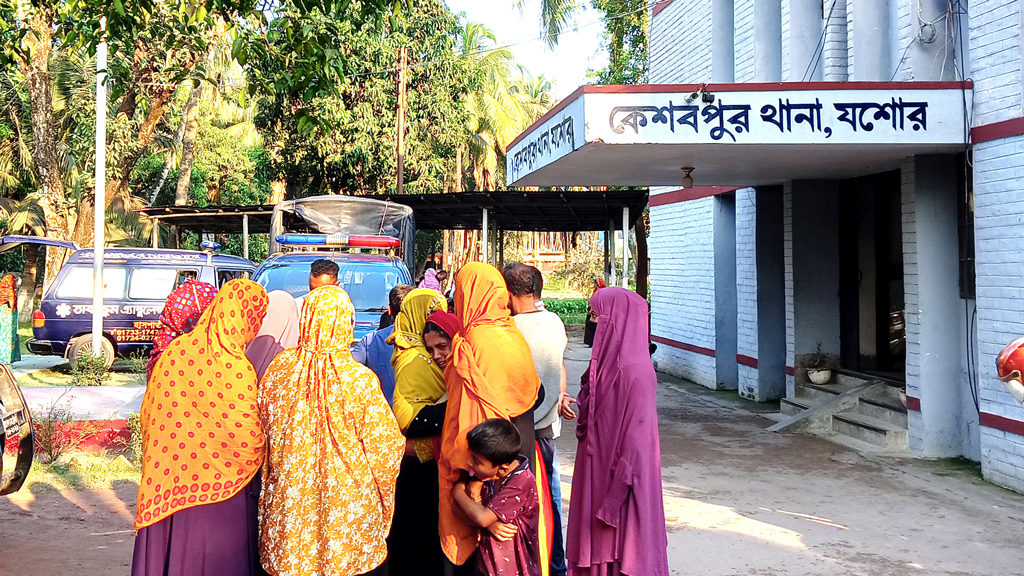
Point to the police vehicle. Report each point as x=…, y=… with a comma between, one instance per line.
x=136, y=283
x=370, y=241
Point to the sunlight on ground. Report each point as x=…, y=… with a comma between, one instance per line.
x=683, y=513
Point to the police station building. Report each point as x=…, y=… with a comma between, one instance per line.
x=843, y=176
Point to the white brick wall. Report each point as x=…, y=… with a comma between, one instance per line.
x=996, y=59
x=746, y=287
x=680, y=45
x=912, y=308
x=744, y=34
x=905, y=32
x=786, y=43
x=682, y=246
x=835, y=51
x=999, y=244
x=787, y=247
x=849, y=38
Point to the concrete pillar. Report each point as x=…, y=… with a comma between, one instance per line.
x=815, y=268
x=156, y=233
x=771, y=295
x=625, y=248
x=485, y=230
x=837, y=37
x=936, y=341
x=723, y=43
x=767, y=40
x=245, y=236
x=806, y=63
x=932, y=52
x=724, y=225
x=872, y=42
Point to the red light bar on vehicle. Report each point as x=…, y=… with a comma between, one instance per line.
x=338, y=240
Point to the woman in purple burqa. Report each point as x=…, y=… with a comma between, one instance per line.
x=616, y=513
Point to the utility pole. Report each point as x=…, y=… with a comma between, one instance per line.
x=100, y=179
x=403, y=62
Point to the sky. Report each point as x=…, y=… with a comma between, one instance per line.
x=566, y=65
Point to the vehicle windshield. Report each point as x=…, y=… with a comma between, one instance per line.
x=367, y=285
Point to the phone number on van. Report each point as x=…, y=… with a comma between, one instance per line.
x=64, y=310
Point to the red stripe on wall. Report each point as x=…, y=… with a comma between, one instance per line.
x=746, y=360
x=913, y=404
x=683, y=346
x=997, y=130
x=1002, y=423
x=687, y=194
x=790, y=371
x=659, y=7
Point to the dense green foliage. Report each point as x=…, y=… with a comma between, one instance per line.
x=625, y=39
x=345, y=142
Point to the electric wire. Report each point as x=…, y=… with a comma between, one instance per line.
x=819, y=49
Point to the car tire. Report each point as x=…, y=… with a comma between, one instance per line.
x=83, y=346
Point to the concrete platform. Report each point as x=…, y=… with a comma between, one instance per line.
x=87, y=402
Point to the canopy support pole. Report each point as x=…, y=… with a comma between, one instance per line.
x=483, y=237
x=611, y=248
x=606, y=258
x=625, y=248
x=245, y=236
x=156, y=233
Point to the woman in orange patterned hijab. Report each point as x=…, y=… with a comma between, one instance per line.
x=203, y=446
x=333, y=448
x=490, y=375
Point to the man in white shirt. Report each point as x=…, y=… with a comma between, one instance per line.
x=545, y=334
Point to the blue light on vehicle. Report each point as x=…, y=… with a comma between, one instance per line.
x=209, y=245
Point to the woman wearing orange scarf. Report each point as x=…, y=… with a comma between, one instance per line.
x=333, y=451
x=203, y=446
x=490, y=375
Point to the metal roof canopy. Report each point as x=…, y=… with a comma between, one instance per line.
x=511, y=210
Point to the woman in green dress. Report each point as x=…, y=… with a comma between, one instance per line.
x=10, y=344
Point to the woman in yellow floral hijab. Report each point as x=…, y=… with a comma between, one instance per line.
x=419, y=408
x=333, y=451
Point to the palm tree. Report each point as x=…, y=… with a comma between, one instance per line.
x=555, y=16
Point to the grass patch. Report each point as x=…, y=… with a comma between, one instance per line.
x=951, y=466
x=124, y=372
x=79, y=471
x=120, y=375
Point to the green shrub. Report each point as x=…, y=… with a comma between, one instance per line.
x=90, y=370
x=570, y=310
x=133, y=444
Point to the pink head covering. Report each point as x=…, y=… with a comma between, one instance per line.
x=430, y=280
x=185, y=304
x=617, y=480
x=279, y=332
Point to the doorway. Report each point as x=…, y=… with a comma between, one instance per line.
x=871, y=304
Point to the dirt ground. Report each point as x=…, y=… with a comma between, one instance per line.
x=738, y=500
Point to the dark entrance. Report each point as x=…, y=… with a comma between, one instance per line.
x=872, y=325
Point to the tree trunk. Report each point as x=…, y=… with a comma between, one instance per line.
x=642, y=271
x=188, y=146
x=29, y=277
x=178, y=135
x=57, y=214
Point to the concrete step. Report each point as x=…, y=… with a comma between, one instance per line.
x=884, y=410
x=793, y=406
x=818, y=393
x=872, y=430
x=844, y=376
